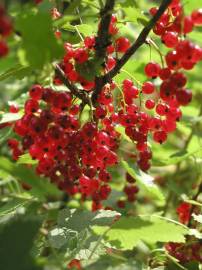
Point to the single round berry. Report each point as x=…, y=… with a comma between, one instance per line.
x=152, y=70
x=148, y=88
x=122, y=44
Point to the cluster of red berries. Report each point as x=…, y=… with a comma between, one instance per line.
x=5, y=31
x=186, y=252
x=37, y=1
x=74, y=264
x=183, y=212
x=130, y=191
x=79, y=56
x=74, y=157
x=138, y=120
x=192, y=249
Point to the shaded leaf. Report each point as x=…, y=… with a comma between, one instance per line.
x=40, y=187
x=18, y=72
x=10, y=117
x=16, y=239
x=12, y=205
x=40, y=46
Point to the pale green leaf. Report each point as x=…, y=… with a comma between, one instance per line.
x=26, y=159
x=10, y=117
x=146, y=182
x=128, y=231
x=85, y=29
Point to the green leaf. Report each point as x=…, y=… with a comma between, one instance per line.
x=38, y=40
x=41, y=187
x=18, y=72
x=135, y=15
x=59, y=237
x=146, y=182
x=26, y=159
x=90, y=249
x=76, y=237
x=113, y=262
x=10, y=117
x=128, y=231
x=85, y=29
x=130, y=3
x=175, y=158
x=121, y=130
x=89, y=69
x=5, y=134
x=70, y=218
x=12, y=205
x=17, y=239
x=72, y=6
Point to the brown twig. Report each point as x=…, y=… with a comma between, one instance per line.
x=81, y=94
x=136, y=45
x=103, y=37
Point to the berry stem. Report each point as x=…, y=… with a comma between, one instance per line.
x=101, y=81
x=129, y=74
x=103, y=37
x=73, y=89
x=155, y=46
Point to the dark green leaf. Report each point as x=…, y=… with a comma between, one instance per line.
x=40, y=186
x=16, y=239
x=39, y=42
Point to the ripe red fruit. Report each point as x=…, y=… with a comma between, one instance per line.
x=31, y=106
x=81, y=55
x=184, y=96
x=122, y=44
x=170, y=39
x=152, y=70
x=36, y=92
x=160, y=136
x=3, y=48
x=161, y=109
x=74, y=264
x=148, y=88
x=188, y=25
x=89, y=42
x=5, y=26
x=197, y=17
x=150, y=104
x=183, y=211
x=164, y=73
x=172, y=60
x=111, y=62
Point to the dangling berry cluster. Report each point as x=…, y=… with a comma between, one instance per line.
x=5, y=31
x=76, y=155
x=130, y=191
x=186, y=252
x=76, y=57
x=192, y=249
